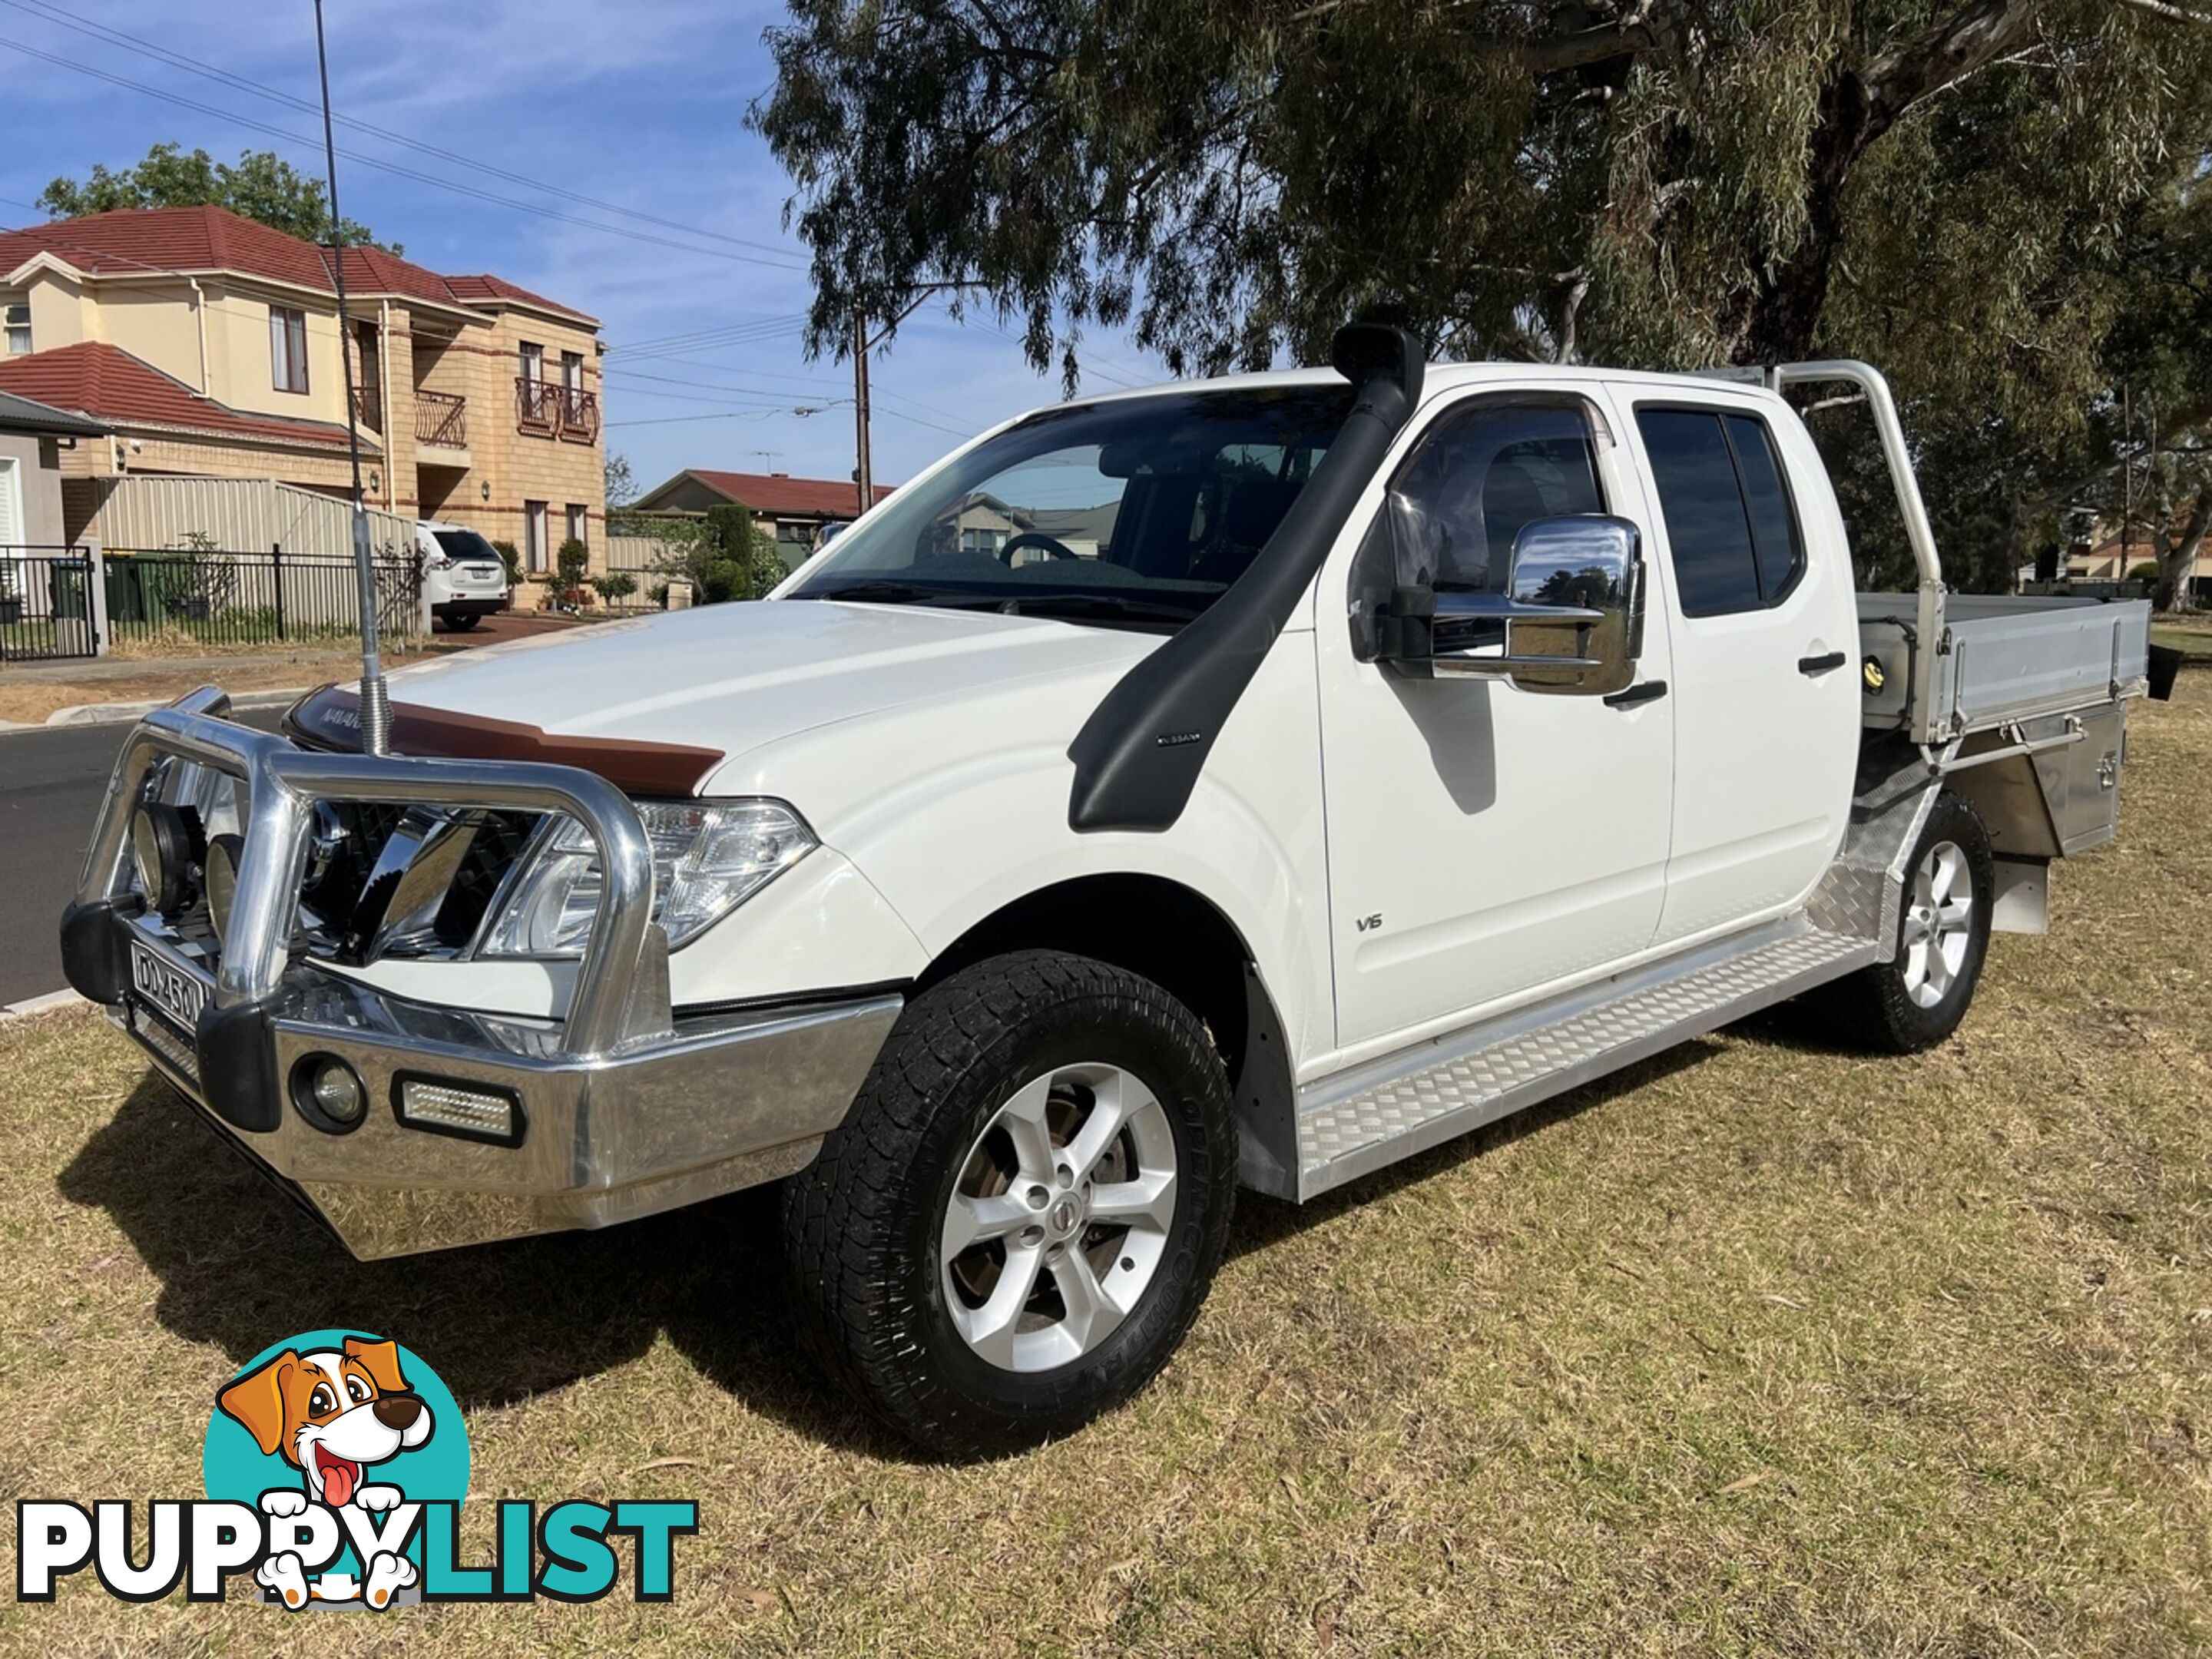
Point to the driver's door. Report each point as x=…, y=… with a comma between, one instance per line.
x=1486, y=840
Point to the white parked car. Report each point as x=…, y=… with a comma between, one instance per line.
x=1413, y=744
x=464, y=578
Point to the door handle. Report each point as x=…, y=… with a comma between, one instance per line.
x=1810, y=666
x=1649, y=691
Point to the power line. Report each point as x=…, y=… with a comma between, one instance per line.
x=245, y=83
x=726, y=415
x=689, y=340
x=432, y=179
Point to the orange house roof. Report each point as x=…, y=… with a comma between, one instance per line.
x=135, y=240
x=107, y=384
x=779, y=492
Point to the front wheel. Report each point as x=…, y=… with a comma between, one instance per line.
x=1015, y=1225
x=1916, y=998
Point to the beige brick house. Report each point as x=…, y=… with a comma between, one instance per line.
x=208, y=344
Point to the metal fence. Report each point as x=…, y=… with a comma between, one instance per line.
x=46, y=609
x=222, y=598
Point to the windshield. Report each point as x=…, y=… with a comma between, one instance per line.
x=1137, y=511
x=466, y=544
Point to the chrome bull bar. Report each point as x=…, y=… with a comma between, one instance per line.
x=621, y=992
x=621, y=1111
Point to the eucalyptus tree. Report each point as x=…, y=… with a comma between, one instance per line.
x=1948, y=186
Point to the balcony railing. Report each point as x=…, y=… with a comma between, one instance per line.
x=580, y=414
x=442, y=420
x=553, y=410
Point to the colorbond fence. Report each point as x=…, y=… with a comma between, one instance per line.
x=249, y=514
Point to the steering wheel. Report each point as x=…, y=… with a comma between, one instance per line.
x=1052, y=544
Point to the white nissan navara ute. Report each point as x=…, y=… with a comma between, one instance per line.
x=1249, y=782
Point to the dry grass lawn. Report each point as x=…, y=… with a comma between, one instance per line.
x=1763, y=1348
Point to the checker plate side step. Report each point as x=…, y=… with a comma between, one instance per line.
x=1373, y=1115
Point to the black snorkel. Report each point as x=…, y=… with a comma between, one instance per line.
x=1138, y=758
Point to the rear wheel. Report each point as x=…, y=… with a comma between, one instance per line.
x=462, y=623
x=1917, y=999
x=1015, y=1225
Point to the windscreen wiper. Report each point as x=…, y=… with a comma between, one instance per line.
x=876, y=593
x=1099, y=604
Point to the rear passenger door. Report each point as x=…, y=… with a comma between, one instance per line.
x=1765, y=629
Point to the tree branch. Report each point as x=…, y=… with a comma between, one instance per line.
x=2172, y=14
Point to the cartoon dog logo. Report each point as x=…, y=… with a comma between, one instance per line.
x=333, y=1413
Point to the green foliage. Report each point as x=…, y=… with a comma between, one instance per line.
x=622, y=485
x=511, y=555
x=615, y=585
x=262, y=186
x=2147, y=571
x=725, y=557
x=2002, y=205
x=565, y=588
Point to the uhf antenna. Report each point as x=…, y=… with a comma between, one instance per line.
x=375, y=703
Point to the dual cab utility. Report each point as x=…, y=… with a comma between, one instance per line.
x=1247, y=782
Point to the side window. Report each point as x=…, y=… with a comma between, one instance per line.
x=1730, y=527
x=1478, y=476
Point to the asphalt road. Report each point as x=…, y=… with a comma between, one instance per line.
x=51, y=784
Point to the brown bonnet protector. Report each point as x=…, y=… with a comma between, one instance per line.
x=330, y=718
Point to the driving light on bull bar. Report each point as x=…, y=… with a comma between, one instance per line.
x=471, y=1110
x=708, y=857
x=224, y=854
x=329, y=1094
x=163, y=856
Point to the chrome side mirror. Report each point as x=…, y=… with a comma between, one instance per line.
x=1572, y=612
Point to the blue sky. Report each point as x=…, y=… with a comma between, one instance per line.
x=638, y=104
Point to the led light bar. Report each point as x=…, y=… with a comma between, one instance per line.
x=473, y=1111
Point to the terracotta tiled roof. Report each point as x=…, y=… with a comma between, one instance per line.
x=486, y=287
x=131, y=239
x=775, y=492
x=197, y=238
x=106, y=383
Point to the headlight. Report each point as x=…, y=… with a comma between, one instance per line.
x=708, y=857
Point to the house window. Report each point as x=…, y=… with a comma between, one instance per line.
x=572, y=370
x=533, y=362
x=533, y=536
x=18, y=329
x=287, y=348
x=576, y=521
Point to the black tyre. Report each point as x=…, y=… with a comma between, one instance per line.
x=463, y=623
x=1917, y=999
x=1015, y=1225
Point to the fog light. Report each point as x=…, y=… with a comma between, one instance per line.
x=471, y=1110
x=329, y=1093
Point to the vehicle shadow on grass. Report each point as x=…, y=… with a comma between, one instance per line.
x=242, y=1265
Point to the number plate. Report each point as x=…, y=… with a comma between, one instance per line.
x=169, y=986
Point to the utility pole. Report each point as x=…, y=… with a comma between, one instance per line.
x=863, y=471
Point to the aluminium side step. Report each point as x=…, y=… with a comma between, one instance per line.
x=1373, y=1115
